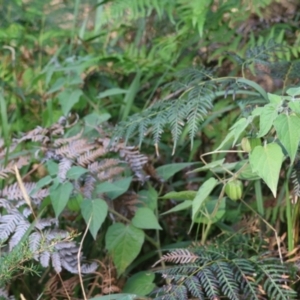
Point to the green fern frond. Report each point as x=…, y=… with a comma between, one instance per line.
x=218, y=271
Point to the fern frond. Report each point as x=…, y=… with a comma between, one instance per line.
x=64, y=166
x=9, y=169
x=90, y=156
x=9, y=223
x=181, y=256
x=216, y=271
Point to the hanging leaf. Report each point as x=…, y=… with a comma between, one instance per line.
x=60, y=196
x=94, y=211
x=235, y=132
x=267, y=115
x=115, y=189
x=181, y=206
x=124, y=243
x=288, y=131
x=202, y=194
x=144, y=218
x=266, y=162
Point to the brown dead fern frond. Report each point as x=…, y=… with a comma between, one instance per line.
x=13, y=192
x=90, y=156
x=106, y=278
x=62, y=141
x=55, y=288
x=104, y=164
x=126, y=204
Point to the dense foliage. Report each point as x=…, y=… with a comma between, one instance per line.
x=149, y=149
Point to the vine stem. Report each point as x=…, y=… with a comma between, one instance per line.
x=78, y=258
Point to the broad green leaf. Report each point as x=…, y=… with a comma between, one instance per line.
x=275, y=99
x=293, y=91
x=140, y=283
x=52, y=167
x=288, y=131
x=115, y=189
x=266, y=162
x=181, y=206
x=167, y=171
x=144, y=218
x=247, y=173
x=111, y=92
x=148, y=197
x=59, y=196
x=183, y=195
x=235, y=132
x=295, y=106
x=202, y=194
x=124, y=243
x=68, y=98
x=95, y=212
x=74, y=203
x=267, y=116
x=75, y=172
x=206, y=214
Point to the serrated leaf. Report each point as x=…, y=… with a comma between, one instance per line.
x=60, y=196
x=235, y=132
x=266, y=162
x=75, y=172
x=288, y=131
x=124, y=243
x=115, y=189
x=140, y=283
x=95, y=212
x=181, y=206
x=68, y=98
x=202, y=194
x=167, y=171
x=183, y=195
x=144, y=218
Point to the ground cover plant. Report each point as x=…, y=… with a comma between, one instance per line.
x=149, y=149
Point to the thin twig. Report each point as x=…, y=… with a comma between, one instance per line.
x=78, y=258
